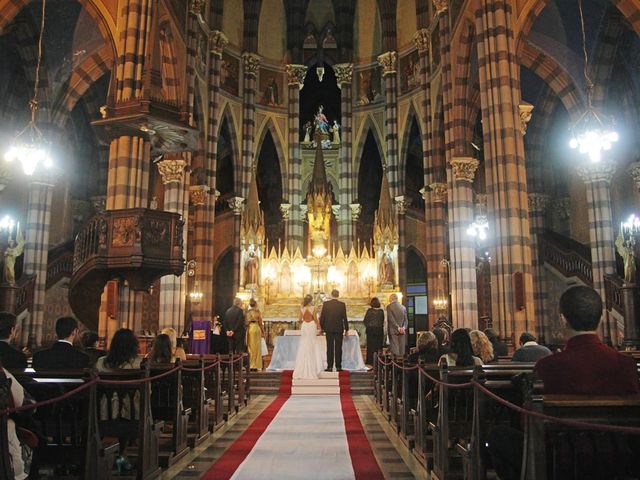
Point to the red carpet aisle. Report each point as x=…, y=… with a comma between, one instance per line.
x=312, y=436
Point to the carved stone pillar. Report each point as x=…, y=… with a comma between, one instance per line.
x=402, y=202
x=538, y=203
x=388, y=61
x=237, y=205
x=346, y=224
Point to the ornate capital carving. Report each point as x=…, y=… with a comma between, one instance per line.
x=422, y=39
x=296, y=74
x=439, y=191
x=99, y=203
x=198, y=194
x=562, y=207
x=344, y=73
x=171, y=170
x=356, y=209
x=251, y=62
x=597, y=172
x=538, y=202
x=336, y=211
x=285, y=209
x=388, y=62
x=526, y=110
x=402, y=202
x=464, y=168
x=218, y=42
x=303, y=211
x=441, y=6
x=196, y=6
x=635, y=173
x=237, y=205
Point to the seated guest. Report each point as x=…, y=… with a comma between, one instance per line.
x=176, y=351
x=461, y=352
x=482, y=346
x=89, y=341
x=62, y=354
x=443, y=340
x=529, y=350
x=586, y=366
x=161, y=350
x=17, y=398
x=9, y=356
x=499, y=348
x=426, y=349
x=123, y=352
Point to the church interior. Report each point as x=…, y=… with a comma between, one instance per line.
x=470, y=164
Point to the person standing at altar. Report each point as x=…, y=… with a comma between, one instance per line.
x=334, y=322
x=397, y=323
x=255, y=333
x=374, y=322
x=233, y=325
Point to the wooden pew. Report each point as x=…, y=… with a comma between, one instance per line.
x=167, y=406
x=194, y=398
x=556, y=451
x=377, y=379
x=124, y=411
x=425, y=412
x=213, y=389
x=71, y=445
x=6, y=471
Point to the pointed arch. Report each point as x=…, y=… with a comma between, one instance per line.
x=269, y=126
x=412, y=167
x=361, y=136
x=228, y=153
x=412, y=116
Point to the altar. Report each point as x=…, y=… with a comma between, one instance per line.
x=286, y=349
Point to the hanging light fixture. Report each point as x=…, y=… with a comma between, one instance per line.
x=479, y=228
x=29, y=146
x=593, y=132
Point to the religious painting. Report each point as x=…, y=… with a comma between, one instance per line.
x=229, y=73
x=409, y=72
x=271, y=89
x=369, y=86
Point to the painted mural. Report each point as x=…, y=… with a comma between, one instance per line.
x=409, y=72
x=270, y=89
x=229, y=74
x=369, y=86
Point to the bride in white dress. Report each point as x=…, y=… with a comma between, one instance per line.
x=309, y=358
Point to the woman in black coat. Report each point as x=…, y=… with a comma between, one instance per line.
x=374, y=321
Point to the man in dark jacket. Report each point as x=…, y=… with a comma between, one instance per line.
x=62, y=354
x=233, y=326
x=529, y=350
x=499, y=348
x=9, y=356
x=333, y=321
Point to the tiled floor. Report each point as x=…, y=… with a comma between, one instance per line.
x=396, y=462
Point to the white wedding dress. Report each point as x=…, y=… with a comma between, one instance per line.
x=309, y=357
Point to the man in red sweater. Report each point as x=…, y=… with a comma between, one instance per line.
x=586, y=366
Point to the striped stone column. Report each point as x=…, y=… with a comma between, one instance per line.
x=597, y=178
x=388, y=62
x=462, y=254
x=401, y=210
x=237, y=206
x=512, y=303
x=250, y=62
x=295, y=227
x=203, y=207
x=538, y=203
x=346, y=223
x=36, y=251
x=437, y=277
x=173, y=289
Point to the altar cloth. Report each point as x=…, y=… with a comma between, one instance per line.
x=286, y=349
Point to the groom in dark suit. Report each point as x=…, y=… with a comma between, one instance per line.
x=333, y=321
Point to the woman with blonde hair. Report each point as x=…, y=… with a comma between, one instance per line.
x=255, y=333
x=481, y=345
x=177, y=352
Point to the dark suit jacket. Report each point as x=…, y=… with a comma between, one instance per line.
x=12, y=357
x=234, y=320
x=588, y=367
x=333, y=318
x=60, y=355
x=94, y=354
x=530, y=353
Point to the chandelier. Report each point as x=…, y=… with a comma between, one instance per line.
x=593, y=132
x=479, y=228
x=29, y=147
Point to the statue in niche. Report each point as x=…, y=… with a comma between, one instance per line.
x=336, y=132
x=12, y=252
x=628, y=256
x=386, y=270
x=271, y=96
x=307, y=132
x=320, y=121
x=251, y=268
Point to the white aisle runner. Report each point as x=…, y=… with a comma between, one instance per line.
x=307, y=439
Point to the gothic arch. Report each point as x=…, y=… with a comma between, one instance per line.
x=411, y=117
x=369, y=124
x=227, y=120
x=269, y=126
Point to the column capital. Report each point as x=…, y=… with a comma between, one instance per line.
x=439, y=191
x=422, y=39
x=464, y=168
x=303, y=211
x=402, y=202
x=441, y=6
x=251, y=62
x=597, y=172
x=198, y=194
x=218, y=41
x=171, y=170
x=356, y=210
x=237, y=205
x=538, y=202
x=335, y=209
x=99, y=203
x=344, y=73
x=525, y=109
x=296, y=74
x=285, y=209
x=195, y=6
x=388, y=62
x=635, y=173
